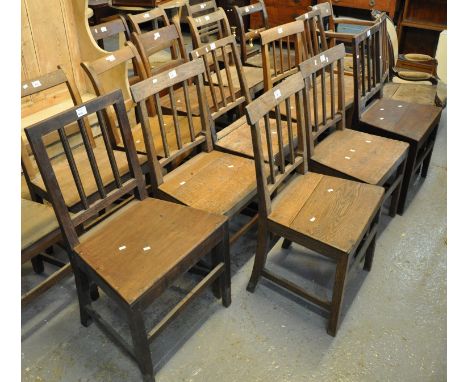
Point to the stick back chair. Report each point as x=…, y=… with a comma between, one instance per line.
x=251, y=54
x=346, y=153
x=201, y=9
x=302, y=206
x=253, y=75
x=206, y=180
x=120, y=253
x=110, y=29
x=155, y=16
x=409, y=122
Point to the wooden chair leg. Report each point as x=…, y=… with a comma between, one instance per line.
x=37, y=264
x=286, y=243
x=410, y=163
x=426, y=163
x=141, y=344
x=369, y=255
x=222, y=249
x=83, y=291
x=260, y=256
x=397, y=192
x=338, y=293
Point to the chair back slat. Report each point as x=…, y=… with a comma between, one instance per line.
x=110, y=28
x=154, y=15
x=367, y=65
x=325, y=105
x=183, y=135
x=279, y=168
x=315, y=40
x=207, y=28
x=274, y=40
x=247, y=38
x=93, y=198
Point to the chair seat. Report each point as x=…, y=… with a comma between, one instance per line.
x=171, y=137
x=328, y=210
x=179, y=99
x=237, y=137
x=368, y=158
x=411, y=121
x=216, y=182
x=253, y=78
x=65, y=177
x=137, y=247
x=37, y=221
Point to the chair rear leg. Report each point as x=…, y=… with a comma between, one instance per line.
x=83, y=291
x=338, y=293
x=370, y=255
x=141, y=344
x=260, y=256
x=286, y=243
x=37, y=264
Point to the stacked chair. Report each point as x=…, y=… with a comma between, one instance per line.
x=140, y=184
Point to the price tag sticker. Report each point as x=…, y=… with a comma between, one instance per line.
x=247, y=9
x=306, y=16
x=25, y=86
x=110, y=58
x=155, y=80
x=146, y=15
x=103, y=29
x=81, y=111
x=203, y=5
x=212, y=46
x=368, y=33
x=277, y=93
x=172, y=74
x=280, y=30
x=36, y=84
x=156, y=35
x=322, y=58
x=207, y=18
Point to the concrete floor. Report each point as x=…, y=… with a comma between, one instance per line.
x=394, y=327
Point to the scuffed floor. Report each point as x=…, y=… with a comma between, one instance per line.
x=394, y=328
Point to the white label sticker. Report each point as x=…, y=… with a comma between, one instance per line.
x=246, y=9
x=357, y=55
x=121, y=248
x=400, y=105
x=202, y=6
x=172, y=74
x=367, y=141
x=306, y=16
x=207, y=18
x=326, y=58
x=103, y=29
x=147, y=248
x=25, y=86
x=206, y=49
x=382, y=118
x=368, y=33
x=330, y=190
x=352, y=150
x=322, y=58
x=156, y=35
x=382, y=109
x=280, y=30
x=95, y=30
x=315, y=62
x=81, y=111
x=155, y=80
x=36, y=84
x=146, y=15
x=182, y=183
x=277, y=93
x=212, y=46
x=312, y=219
x=230, y=166
x=110, y=58
x=348, y=158
x=197, y=54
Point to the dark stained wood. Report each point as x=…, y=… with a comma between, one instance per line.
x=331, y=216
x=119, y=253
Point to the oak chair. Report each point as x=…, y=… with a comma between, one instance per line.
x=335, y=217
x=409, y=122
x=155, y=16
x=253, y=75
x=250, y=53
x=209, y=180
x=346, y=153
x=136, y=253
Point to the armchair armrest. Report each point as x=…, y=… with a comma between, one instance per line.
x=347, y=37
x=349, y=20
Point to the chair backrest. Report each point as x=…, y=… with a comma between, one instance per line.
x=154, y=16
x=274, y=40
x=314, y=33
x=92, y=202
x=175, y=142
x=99, y=70
x=153, y=42
x=326, y=13
x=201, y=9
x=324, y=104
x=288, y=161
x=202, y=28
x=109, y=29
x=248, y=37
x=368, y=66
x=39, y=84
x=224, y=96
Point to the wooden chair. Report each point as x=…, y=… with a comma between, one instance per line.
x=335, y=217
x=155, y=16
x=251, y=54
x=346, y=153
x=201, y=9
x=135, y=254
x=315, y=42
x=39, y=231
x=253, y=75
x=109, y=29
x=210, y=180
x=409, y=122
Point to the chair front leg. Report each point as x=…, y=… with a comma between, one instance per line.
x=141, y=344
x=338, y=293
x=260, y=255
x=83, y=291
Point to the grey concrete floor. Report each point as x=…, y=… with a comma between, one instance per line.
x=394, y=325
